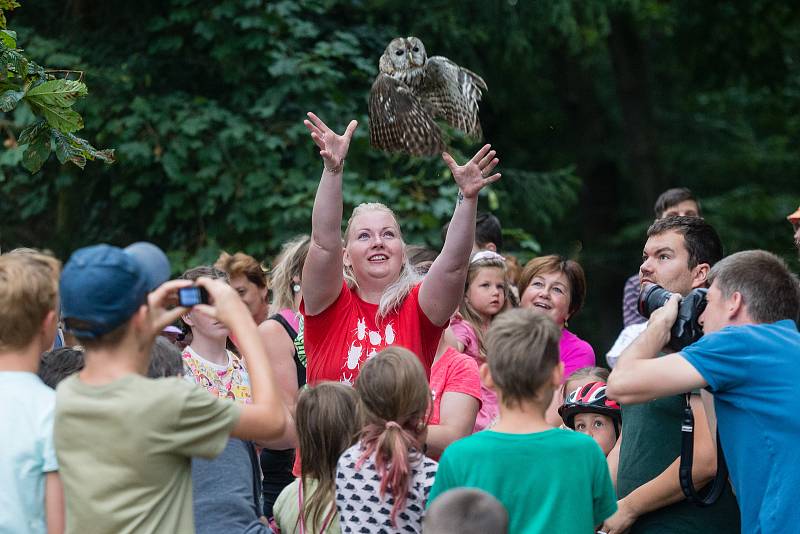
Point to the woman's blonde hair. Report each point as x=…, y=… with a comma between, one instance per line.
x=396, y=292
x=288, y=265
x=395, y=398
x=328, y=419
x=467, y=311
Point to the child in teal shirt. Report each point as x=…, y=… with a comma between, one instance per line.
x=549, y=479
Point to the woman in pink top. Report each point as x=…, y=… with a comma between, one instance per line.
x=557, y=286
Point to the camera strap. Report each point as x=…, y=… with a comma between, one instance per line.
x=711, y=492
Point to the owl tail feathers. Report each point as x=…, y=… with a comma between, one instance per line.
x=415, y=141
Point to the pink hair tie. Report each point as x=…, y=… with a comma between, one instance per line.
x=393, y=424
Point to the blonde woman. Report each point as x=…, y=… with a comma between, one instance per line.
x=380, y=299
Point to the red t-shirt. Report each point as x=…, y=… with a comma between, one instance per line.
x=341, y=338
x=454, y=372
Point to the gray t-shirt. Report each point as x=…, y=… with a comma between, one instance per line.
x=124, y=451
x=226, y=491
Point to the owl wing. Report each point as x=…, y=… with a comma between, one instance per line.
x=453, y=93
x=398, y=121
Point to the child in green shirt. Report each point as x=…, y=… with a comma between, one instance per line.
x=548, y=479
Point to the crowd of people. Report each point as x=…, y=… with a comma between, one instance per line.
x=364, y=384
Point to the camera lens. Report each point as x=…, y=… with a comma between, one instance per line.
x=651, y=298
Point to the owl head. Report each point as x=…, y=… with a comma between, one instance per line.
x=403, y=54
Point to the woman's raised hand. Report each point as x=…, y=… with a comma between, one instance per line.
x=332, y=147
x=475, y=174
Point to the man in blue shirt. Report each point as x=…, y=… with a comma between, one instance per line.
x=749, y=359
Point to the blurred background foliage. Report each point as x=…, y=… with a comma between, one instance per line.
x=595, y=107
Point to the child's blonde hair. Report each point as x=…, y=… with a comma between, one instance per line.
x=28, y=292
x=395, y=397
x=467, y=311
x=328, y=420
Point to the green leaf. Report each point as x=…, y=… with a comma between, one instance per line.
x=37, y=152
x=10, y=99
x=17, y=63
x=32, y=132
x=57, y=93
x=60, y=118
x=8, y=38
x=73, y=149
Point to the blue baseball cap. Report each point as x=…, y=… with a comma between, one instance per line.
x=102, y=286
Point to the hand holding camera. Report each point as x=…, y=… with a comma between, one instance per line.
x=684, y=315
x=222, y=302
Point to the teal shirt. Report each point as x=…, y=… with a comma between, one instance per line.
x=551, y=481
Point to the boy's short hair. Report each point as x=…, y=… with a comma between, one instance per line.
x=242, y=264
x=487, y=230
x=522, y=350
x=673, y=197
x=56, y=365
x=28, y=292
x=165, y=359
x=769, y=289
x=102, y=286
x=465, y=511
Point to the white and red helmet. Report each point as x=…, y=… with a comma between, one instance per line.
x=590, y=398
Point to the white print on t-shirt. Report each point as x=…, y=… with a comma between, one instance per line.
x=389, y=335
x=354, y=356
x=357, y=350
x=361, y=329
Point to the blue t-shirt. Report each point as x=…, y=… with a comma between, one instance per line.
x=754, y=373
x=26, y=450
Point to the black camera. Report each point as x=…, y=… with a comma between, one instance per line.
x=686, y=329
x=192, y=296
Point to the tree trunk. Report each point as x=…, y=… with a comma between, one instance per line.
x=627, y=54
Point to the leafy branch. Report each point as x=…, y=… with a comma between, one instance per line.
x=50, y=99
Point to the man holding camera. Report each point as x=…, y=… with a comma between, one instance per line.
x=748, y=359
x=677, y=256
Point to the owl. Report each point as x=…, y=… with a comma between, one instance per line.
x=412, y=90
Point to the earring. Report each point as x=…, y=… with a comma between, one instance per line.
x=296, y=288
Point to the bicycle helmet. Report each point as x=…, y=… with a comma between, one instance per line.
x=590, y=398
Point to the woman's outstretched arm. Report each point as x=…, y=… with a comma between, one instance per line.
x=322, y=272
x=443, y=287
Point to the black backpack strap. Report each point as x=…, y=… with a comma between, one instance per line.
x=285, y=324
x=298, y=363
x=256, y=468
x=712, y=491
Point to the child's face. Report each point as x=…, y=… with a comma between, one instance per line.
x=600, y=427
x=206, y=325
x=486, y=292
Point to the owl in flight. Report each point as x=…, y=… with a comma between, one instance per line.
x=412, y=90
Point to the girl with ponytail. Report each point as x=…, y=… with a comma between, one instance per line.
x=383, y=481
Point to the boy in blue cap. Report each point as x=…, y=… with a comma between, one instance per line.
x=123, y=441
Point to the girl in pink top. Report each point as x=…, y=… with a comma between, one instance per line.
x=485, y=295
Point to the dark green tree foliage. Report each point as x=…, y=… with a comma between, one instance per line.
x=49, y=98
x=595, y=107
x=204, y=104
